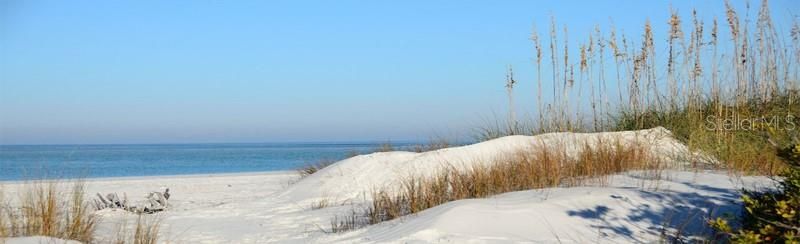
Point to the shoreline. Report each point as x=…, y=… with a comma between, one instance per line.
x=156, y=177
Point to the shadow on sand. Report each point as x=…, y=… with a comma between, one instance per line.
x=682, y=216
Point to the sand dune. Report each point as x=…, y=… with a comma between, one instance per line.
x=276, y=207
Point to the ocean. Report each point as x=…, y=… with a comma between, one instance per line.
x=27, y=162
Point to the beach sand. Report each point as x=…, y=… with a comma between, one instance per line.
x=275, y=207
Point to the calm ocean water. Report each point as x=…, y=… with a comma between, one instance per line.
x=70, y=161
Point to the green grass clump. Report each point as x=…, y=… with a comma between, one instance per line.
x=733, y=134
x=770, y=216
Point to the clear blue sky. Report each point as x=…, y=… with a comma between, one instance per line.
x=256, y=71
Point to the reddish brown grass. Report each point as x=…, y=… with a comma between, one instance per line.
x=525, y=170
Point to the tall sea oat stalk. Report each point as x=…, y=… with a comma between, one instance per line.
x=634, y=80
x=604, y=93
x=768, y=54
x=796, y=45
x=612, y=42
x=590, y=54
x=733, y=25
x=675, y=33
x=554, y=65
x=538, y=46
x=715, y=85
x=568, y=82
x=583, y=71
x=649, y=64
x=512, y=119
x=697, y=71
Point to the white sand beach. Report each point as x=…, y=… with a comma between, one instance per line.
x=275, y=207
x=237, y=122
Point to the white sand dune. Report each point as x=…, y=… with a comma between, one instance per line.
x=276, y=207
x=355, y=177
x=625, y=212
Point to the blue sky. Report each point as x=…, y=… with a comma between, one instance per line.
x=265, y=71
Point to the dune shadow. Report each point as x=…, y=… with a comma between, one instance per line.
x=680, y=215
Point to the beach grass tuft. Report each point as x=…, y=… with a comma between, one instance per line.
x=146, y=230
x=45, y=209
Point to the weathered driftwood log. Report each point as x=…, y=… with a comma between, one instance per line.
x=154, y=202
x=111, y=200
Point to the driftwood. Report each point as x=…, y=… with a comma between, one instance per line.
x=154, y=202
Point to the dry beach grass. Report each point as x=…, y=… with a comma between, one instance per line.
x=59, y=209
x=542, y=167
x=146, y=230
x=44, y=209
